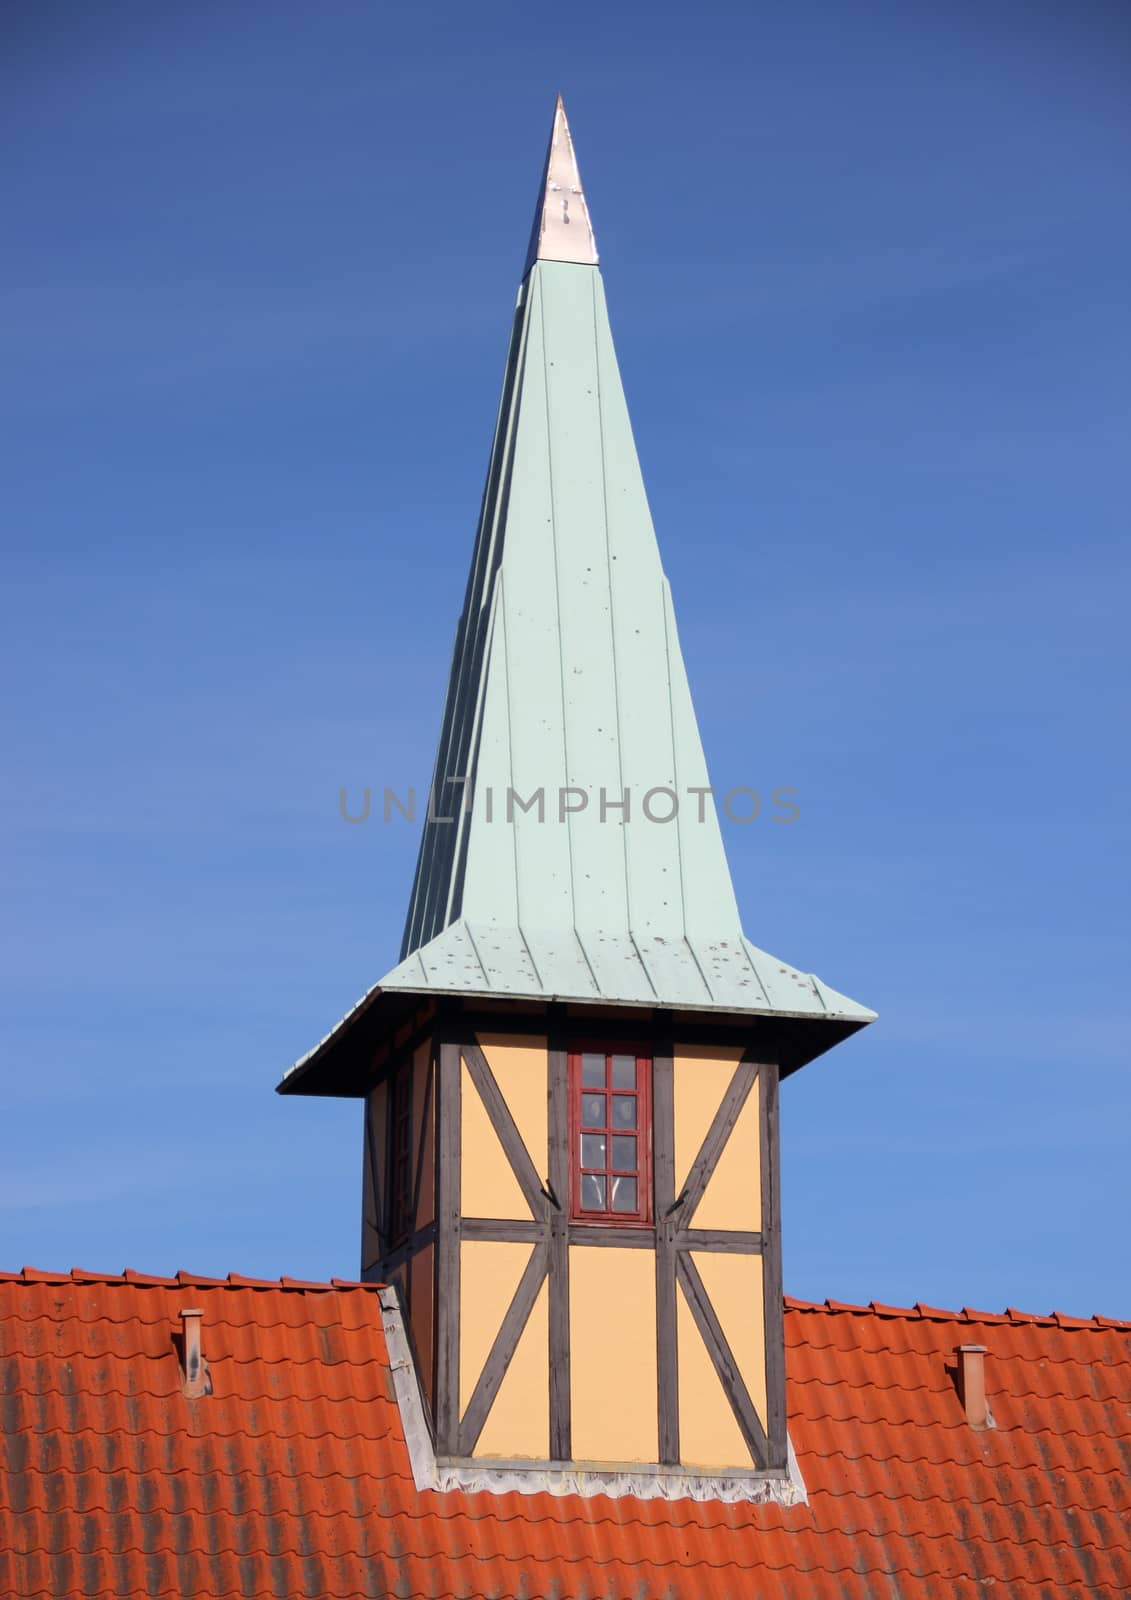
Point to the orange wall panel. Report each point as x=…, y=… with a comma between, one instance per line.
x=733, y=1196
x=489, y=1275
x=700, y=1075
x=519, y=1066
x=488, y=1186
x=710, y=1439
x=734, y=1287
x=518, y=1424
x=612, y=1316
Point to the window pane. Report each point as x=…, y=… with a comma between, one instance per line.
x=624, y=1194
x=624, y=1111
x=593, y=1111
x=593, y=1149
x=592, y=1192
x=593, y=1071
x=624, y=1152
x=624, y=1072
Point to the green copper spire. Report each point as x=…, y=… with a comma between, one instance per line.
x=573, y=851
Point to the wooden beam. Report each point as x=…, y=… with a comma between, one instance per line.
x=773, y=1309
x=603, y=1236
x=506, y=1342
x=663, y=1168
x=734, y=1385
x=688, y=1028
x=377, y=1178
x=716, y=1137
x=373, y=1240
x=504, y=1125
x=557, y=1092
x=427, y=1126
x=502, y=1229
x=448, y=1249
x=728, y=1241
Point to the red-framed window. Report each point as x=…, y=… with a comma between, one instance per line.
x=610, y=1105
x=400, y=1151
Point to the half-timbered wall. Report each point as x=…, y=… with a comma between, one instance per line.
x=540, y=1338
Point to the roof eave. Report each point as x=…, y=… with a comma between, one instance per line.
x=339, y=1067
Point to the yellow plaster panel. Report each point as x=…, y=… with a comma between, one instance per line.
x=519, y=1065
x=488, y=1186
x=518, y=1423
x=421, y=1269
x=423, y=1123
x=489, y=1275
x=709, y=1435
x=701, y=1076
x=734, y=1288
x=612, y=1321
x=733, y=1197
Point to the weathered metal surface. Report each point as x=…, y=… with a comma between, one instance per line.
x=679, y=970
x=295, y=1476
x=577, y=697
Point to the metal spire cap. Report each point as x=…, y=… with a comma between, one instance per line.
x=562, y=229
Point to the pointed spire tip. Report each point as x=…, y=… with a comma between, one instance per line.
x=562, y=229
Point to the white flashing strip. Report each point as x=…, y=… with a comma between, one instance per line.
x=406, y=1387
x=553, y=1477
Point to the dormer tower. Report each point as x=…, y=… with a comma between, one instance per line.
x=571, y=1076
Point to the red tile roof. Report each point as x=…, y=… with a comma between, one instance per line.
x=292, y=1478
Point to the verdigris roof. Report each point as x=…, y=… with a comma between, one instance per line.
x=576, y=850
x=573, y=849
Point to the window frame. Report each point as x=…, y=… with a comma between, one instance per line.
x=642, y=1217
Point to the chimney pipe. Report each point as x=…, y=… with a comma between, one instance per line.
x=197, y=1381
x=972, y=1384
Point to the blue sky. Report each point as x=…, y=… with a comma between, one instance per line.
x=867, y=272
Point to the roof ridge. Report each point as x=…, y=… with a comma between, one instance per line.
x=920, y=1312
x=182, y=1280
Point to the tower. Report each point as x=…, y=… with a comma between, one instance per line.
x=571, y=1076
